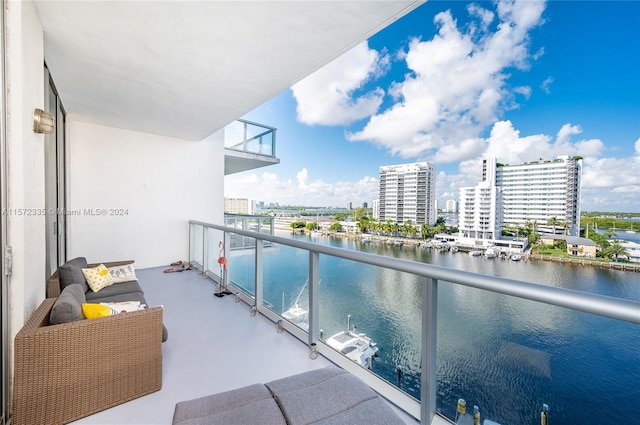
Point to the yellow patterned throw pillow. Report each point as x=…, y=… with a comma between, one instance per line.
x=95, y=311
x=98, y=277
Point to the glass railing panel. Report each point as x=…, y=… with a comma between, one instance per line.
x=250, y=137
x=214, y=241
x=509, y=356
x=382, y=304
x=242, y=266
x=286, y=289
x=196, y=244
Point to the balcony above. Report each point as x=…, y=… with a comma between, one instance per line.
x=248, y=146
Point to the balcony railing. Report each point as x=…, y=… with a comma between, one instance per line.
x=253, y=282
x=250, y=137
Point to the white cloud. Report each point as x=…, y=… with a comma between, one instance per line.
x=546, y=85
x=457, y=85
x=326, y=97
x=303, y=191
x=523, y=90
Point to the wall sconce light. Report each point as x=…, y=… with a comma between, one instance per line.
x=43, y=122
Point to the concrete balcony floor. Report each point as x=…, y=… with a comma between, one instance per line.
x=214, y=345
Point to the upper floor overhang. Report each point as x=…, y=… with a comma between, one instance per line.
x=185, y=69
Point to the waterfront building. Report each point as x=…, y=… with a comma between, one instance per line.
x=576, y=245
x=451, y=206
x=376, y=209
x=407, y=192
x=239, y=206
x=534, y=193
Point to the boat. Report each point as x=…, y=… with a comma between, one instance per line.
x=316, y=233
x=296, y=314
x=475, y=253
x=357, y=347
x=367, y=238
x=503, y=255
x=516, y=257
x=490, y=253
x=453, y=249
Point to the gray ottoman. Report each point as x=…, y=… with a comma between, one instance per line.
x=328, y=396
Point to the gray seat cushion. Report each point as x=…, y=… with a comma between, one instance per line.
x=248, y=405
x=71, y=272
x=115, y=290
x=68, y=306
x=330, y=396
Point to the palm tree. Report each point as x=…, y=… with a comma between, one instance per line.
x=554, y=221
x=615, y=250
x=610, y=234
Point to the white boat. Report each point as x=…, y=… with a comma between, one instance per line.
x=357, y=347
x=490, y=253
x=475, y=253
x=296, y=314
x=453, y=249
x=516, y=257
x=316, y=233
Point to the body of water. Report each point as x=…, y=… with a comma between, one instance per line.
x=506, y=355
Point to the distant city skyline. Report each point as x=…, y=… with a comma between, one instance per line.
x=454, y=82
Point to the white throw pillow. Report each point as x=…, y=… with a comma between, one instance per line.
x=124, y=273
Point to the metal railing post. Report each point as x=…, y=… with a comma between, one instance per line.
x=205, y=251
x=314, y=296
x=259, y=273
x=428, y=359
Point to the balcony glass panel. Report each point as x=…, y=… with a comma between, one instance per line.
x=286, y=270
x=246, y=136
x=196, y=244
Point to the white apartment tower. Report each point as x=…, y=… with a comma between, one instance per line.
x=533, y=192
x=239, y=206
x=407, y=192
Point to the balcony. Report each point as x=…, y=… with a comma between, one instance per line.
x=256, y=281
x=218, y=344
x=248, y=145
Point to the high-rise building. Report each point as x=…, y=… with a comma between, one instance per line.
x=536, y=193
x=239, y=206
x=376, y=209
x=452, y=206
x=407, y=192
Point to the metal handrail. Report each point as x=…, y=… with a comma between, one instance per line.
x=425, y=409
x=601, y=305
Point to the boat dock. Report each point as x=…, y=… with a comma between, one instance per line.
x=628, y=267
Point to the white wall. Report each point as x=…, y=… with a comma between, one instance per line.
x=156, y=183
x=25, y=162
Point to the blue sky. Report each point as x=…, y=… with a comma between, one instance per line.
x=454, y=82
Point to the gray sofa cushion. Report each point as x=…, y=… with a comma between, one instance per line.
x=248, y=405
x=71, y=272
x=330, y=396
x=68, y=306
x=111, y=292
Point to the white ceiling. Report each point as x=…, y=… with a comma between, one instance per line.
x=186, y=69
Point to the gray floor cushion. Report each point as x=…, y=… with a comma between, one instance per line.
x=248, y=405
x=328, y=396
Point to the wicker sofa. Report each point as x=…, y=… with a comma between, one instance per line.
x=67, y=371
